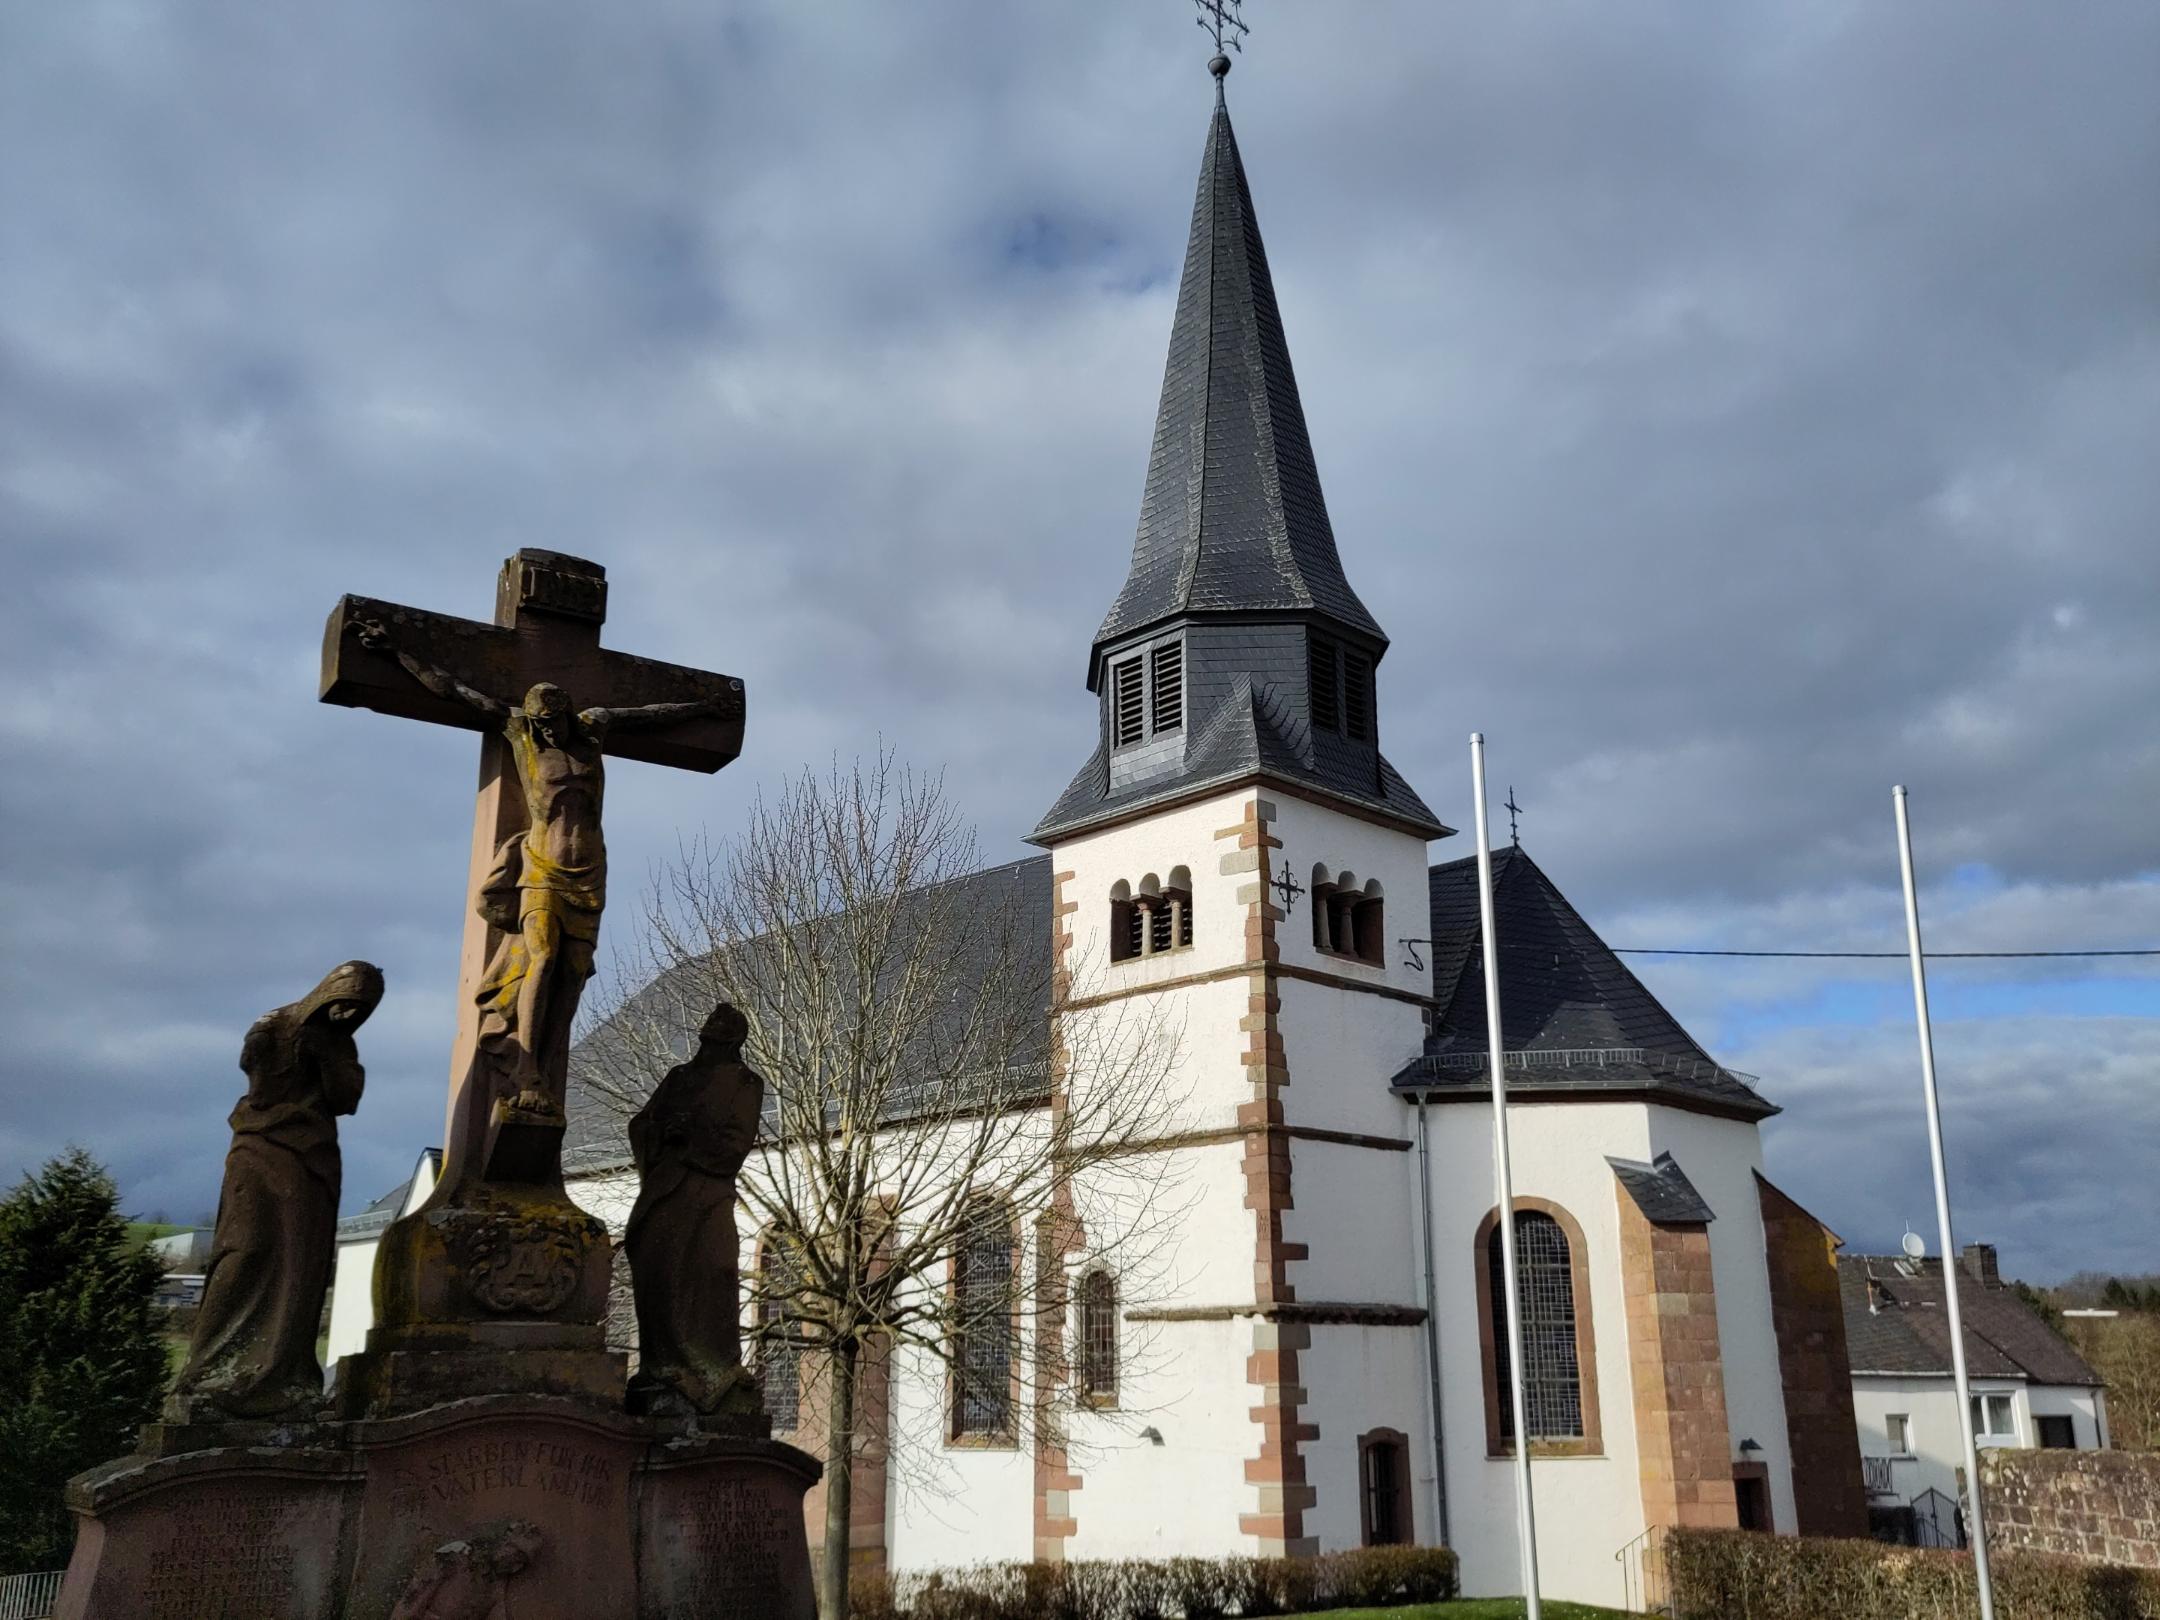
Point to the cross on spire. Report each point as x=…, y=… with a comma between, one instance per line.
x=1221, y=21
x=1513, y=811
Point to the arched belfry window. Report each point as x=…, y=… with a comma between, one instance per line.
x=1152, y=916
x=1096, y=1364
x=1349, y=918
x=1559, y=1349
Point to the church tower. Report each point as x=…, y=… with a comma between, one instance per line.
x=1238, y=851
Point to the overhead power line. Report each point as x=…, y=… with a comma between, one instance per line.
x=1898, y=956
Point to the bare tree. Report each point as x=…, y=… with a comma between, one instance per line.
x=940, y=1095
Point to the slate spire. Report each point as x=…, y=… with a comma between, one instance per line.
x=1237, y=651
x=1232, y=519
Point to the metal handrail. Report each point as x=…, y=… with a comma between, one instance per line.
x=1642, y=1573
x=30, y=1597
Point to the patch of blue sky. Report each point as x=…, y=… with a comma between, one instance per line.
x=1952, y=995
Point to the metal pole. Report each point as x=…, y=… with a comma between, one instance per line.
x=1942, y=1211
x=1504, y=1178
x=1432, y=1331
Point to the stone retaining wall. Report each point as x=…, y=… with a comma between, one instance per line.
x=2095, y=1506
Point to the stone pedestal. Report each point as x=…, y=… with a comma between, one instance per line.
x=556, y=1509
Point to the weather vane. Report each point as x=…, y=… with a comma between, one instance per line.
x=1513, y=810
x=1221, y=21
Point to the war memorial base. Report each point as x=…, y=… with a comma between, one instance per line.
x=616, y=1516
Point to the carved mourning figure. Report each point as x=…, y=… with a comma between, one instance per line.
x=549, y=882
x=253, y=1354
x=689, y=1141
x=466, y=1580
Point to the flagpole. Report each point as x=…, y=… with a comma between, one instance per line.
x=1504, y=1177
x=1978, y=1526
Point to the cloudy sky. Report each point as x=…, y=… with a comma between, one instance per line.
x=1731, y=408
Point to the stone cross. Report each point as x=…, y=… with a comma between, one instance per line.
x=546, y=633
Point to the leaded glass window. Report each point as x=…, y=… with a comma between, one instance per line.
x=1098, y=1336
x=982, y=1304
x=1552, y=1375
x=779, y=1351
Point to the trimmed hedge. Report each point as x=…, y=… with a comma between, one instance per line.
x=1736, y=1575
x=1161, y=1589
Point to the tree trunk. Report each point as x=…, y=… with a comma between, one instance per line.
x=839, y=1480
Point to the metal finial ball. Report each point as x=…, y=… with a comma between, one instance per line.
x=1219, y=66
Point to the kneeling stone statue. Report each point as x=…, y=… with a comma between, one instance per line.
x=690, y=1140
x=253, y=1351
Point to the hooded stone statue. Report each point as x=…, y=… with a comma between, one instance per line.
x=689, y=1141
x=253, y=1351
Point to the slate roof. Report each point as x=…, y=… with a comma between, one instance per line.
x=1243, y=726
x=1573, y=1017
x=1662, y=1191
x=1017, y=892
x=1232, y=518
x=1896, y=1321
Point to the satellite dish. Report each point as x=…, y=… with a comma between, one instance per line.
x=1915, y=1246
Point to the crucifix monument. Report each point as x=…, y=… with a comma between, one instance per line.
x=500, y=1262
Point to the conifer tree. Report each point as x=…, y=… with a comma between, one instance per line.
x=82, y=1365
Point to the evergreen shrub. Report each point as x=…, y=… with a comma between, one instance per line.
x=1736, y=1575
x=1161, y=1589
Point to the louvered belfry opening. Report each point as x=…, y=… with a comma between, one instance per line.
x=1166, y=678
x=1128, y=699
x=1326, y=688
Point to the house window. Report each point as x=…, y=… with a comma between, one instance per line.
x=1552, y=1371
x=1128, y=722
x=1994, y=1418
x=779, y=1351
x=1098, y=1359
x=982, y=1301
x=1166, y=682
x=1897, y=1427
x=1384, y=1488
x=2058, y=1431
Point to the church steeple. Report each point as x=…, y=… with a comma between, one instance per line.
x=1237, y=647
x=1232, y=519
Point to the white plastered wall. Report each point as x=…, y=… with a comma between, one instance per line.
x=1929, y=1403
x=1590, y=1507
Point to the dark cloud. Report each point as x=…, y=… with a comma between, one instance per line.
x=1730, y=409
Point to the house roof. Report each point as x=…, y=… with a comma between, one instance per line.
x=1232, y=518
x=1574, y=1019
x=386, y=1209
x=1896, y=1321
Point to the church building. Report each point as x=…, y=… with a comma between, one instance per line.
x=1329, y=1371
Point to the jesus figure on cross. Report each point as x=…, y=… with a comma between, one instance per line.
x=549, y=881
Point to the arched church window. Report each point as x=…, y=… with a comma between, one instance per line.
x=1098, y=1335
x=779, y=1350
x=1559, y=1351
x=1384, y=1488
x=983, y=1326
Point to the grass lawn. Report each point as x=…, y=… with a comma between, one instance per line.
x=1474, y=1609
x=140, y=1233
